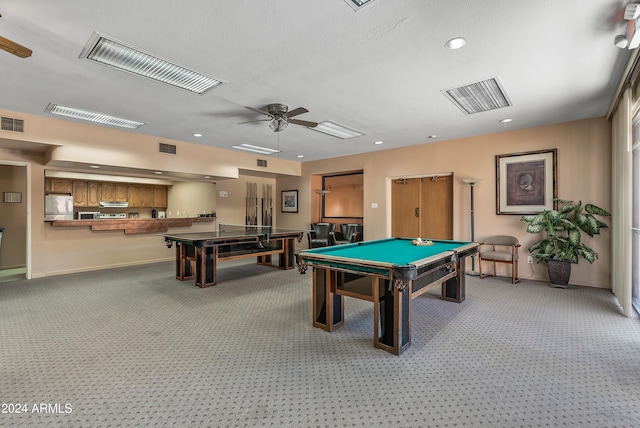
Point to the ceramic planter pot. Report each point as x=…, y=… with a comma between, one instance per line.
x=559, y=273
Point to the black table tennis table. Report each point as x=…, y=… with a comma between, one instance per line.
x=198, y=253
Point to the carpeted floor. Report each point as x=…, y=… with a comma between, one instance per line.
x=136, y=347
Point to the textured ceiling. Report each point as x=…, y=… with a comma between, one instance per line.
x=380, y=70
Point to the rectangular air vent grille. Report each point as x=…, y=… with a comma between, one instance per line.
x=480, y=96
x=15, y=125
x=262, y=163
x=167, y=148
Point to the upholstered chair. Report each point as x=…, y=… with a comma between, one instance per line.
x=500, y=249
x=349, y=232
x=322, y=235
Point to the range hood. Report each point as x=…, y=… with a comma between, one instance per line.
x=105, y=204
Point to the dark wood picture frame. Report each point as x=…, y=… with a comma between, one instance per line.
x=526, y=182
x=289, y=201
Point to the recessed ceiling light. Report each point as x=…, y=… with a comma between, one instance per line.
x=506, y=120
x=94, y=166
x=92, y=116
x=455, y=43
x=207, y=176
x=432, y=136
x=112, y=53
x=158, y=172
x=256, y=149
x=197, y=135
x=300, y=156
x=378, y=142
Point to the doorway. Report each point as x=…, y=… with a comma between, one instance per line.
x=422, y=207
x=15, y=218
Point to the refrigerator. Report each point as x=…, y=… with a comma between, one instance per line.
x=58, y=207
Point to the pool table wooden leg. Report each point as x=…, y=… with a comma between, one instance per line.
x=454, y=289
x=328, y=307
x=394, y=309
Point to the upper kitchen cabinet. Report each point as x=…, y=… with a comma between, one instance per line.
x=160, y=196
x=58, y=185
x=141, y=195
x=94, y=193
x=114, y=192
x=80, y=195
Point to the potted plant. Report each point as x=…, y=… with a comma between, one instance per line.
x=562, y=241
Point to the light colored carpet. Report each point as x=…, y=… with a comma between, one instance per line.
x=136, y=347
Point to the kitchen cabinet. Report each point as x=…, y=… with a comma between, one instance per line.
x=141, y=196
x=79, y=192
x=60, y=185
x=89, y=193
x=147, y=196
x=160, y=196
x=93, y=193
x=114, y=192
x=122, y=192
x=135, y=196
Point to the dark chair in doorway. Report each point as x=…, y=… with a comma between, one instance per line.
x=349, y=232
x=322, y=235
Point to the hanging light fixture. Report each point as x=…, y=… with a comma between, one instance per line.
x=279, y=123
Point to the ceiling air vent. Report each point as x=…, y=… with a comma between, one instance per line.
x=480, y=96
x=167, y=148
x=262, y=163
x=15, y=125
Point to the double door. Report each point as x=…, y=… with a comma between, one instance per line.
x=422, y=207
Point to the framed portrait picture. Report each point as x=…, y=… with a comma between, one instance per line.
x=289, y=201
x=526, y=182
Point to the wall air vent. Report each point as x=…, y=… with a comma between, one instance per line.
x=14, y=125
x=262, y=163
x=480, y=96
x=167, y=148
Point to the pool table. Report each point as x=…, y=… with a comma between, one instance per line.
x=388, y=272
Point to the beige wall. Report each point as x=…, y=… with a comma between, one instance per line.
x=190, y=198
x=584, y=153
x=584, y=159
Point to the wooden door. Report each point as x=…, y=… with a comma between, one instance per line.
x=422, y=207
x=436, y=207
x=405, y=208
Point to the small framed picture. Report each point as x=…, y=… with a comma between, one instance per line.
x=289, y=201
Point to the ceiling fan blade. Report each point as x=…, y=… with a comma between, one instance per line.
x=14, y=48
x=297, y=111
x=259, y=120
x=258, y=111
x=303, y=123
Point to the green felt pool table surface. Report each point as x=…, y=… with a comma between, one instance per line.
x=390, y=251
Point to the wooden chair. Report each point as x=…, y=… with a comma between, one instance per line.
x=322, y=235
x=500, y=249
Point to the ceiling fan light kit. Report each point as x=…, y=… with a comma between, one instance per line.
x=281, y=117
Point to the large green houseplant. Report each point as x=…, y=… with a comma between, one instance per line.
x=562, y=242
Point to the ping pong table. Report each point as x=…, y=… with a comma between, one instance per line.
x=198, y=253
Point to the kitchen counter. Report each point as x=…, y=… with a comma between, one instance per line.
x=132, y=226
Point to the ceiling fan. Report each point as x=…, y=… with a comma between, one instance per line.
x=14, y=48
x=281, y=117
